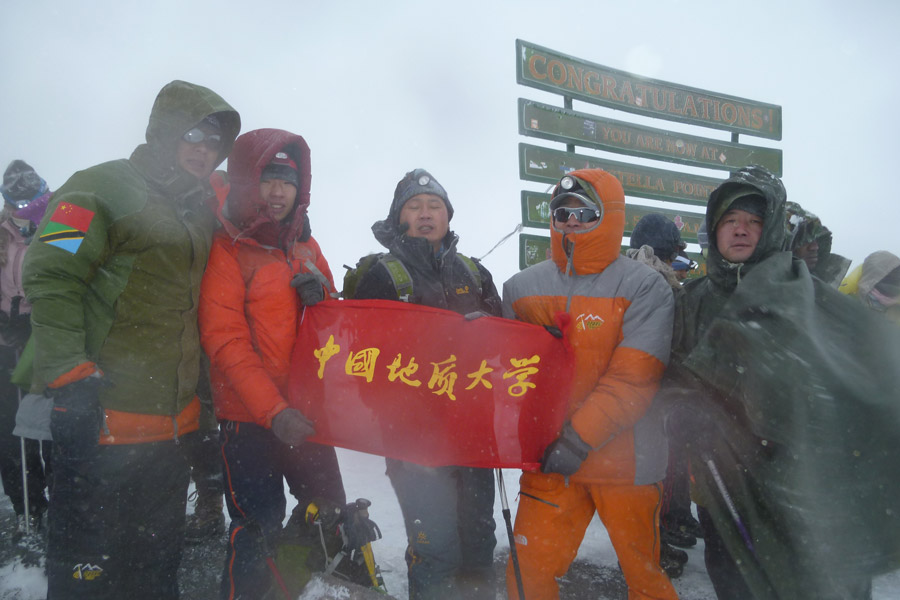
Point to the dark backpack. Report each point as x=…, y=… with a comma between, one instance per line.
x=399, y=274
x=327, y=538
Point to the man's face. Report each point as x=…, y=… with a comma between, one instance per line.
x=571, y=224
x=737, y=234
x=279, y=195
x=426, y=215
x=199, y=158
x=809, y=253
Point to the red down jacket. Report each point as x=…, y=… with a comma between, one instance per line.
x=248, y=310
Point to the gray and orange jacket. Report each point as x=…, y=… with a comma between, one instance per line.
x=620, y=331
x=248, y=310
x=113, y=276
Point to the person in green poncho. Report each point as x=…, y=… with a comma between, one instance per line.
x=786, y=395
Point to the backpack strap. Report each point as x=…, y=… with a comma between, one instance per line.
x=473, y=269
x=399, y=276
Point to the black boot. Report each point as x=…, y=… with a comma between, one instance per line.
x=672, y=560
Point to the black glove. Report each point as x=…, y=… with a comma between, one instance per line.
x=566, y=453
x=291, y=427
x=309, y=288
x=76, y=418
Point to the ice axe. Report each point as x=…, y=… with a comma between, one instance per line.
x=509, y=531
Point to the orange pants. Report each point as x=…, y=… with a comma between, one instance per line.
x=550, y=526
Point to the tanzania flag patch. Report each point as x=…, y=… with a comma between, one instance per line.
x=67, y=227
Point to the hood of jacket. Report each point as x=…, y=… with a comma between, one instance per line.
x=804, y=228
x=722, y=272
x=178, y=107
x=594, y=249
x=245, y=208
x=875, y=267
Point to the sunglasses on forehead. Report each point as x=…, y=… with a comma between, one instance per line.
x=213, y=141
x=583, y=214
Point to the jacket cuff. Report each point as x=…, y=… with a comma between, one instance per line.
x=280, y=406
x=82, y=371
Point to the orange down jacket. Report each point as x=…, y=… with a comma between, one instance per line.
x=248, y=310
x=621, y=328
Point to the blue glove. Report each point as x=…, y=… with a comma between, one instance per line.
x=76, y=418
x=309, y=288
x=566, y=453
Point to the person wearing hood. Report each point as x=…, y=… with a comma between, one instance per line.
x=113, y=277
x=810, y=241
x=448, y=511
x=787, y=403
x=876, y=283
x=264, y=267
x=26, y=195
x=610, y=455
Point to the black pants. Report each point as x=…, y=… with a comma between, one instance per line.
x=256, y=466
x=116, y=523
x=449, y=518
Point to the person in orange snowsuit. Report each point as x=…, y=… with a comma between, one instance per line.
x=611, y=453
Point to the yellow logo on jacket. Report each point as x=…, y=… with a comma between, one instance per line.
x=462, y=290
x=587, y=321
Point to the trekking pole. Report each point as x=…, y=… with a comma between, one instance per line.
x=729, y=503
x=24, y=472
x=509, y=531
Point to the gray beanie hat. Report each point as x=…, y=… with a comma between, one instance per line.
x=417, y=181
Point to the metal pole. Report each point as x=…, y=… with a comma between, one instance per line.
x=24, y=474
x=509, y=531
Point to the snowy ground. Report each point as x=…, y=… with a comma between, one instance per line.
x=594, y=575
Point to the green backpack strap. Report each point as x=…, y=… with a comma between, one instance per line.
x=399, y=276
x=473, y=268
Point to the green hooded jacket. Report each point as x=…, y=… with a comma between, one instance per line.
x=791, y=398
x=114, y=271
x=803, y=228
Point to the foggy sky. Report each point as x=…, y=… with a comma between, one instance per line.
x=380, y=88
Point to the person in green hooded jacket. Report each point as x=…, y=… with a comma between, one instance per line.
x=811, y=241
x=113, y=277
x=787, y=398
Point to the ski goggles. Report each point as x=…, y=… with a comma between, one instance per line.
x=583, y=214
x=212, y=141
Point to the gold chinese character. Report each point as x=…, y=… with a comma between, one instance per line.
x=362, y=363
x=403, y=374
x=444, y=379
x=521, y=372
x=479, y=376
x=325, y=353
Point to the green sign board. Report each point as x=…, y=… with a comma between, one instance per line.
x=533, y=249
x=570, y=127
x=536, y=248
x=546, y=165
x=558, y=73
x=536, y=213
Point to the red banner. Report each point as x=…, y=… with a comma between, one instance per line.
x=427, y=386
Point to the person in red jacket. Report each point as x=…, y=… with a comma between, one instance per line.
x=263, y=267
x=611, y=453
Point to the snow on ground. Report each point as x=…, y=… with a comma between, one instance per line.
x=364, y=477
